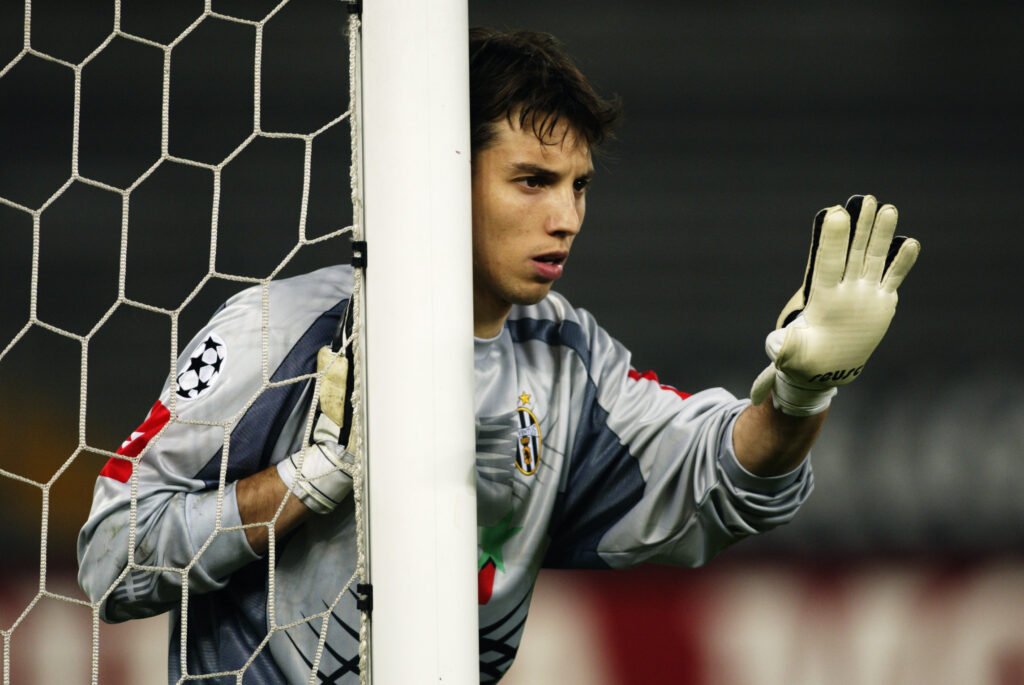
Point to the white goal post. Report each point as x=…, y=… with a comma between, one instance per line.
x=419, y=342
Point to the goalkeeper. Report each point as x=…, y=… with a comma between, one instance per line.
x=582, y=461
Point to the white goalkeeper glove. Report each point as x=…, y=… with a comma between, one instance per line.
x=318, y=475
x=830, y=327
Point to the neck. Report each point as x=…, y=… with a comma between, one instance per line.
x=488, y=317
x=489, y=328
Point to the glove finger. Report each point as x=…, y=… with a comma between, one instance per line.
x=830, y=258
x=799, y=299
x=902, y=263
x=332, y=387
x=878, y=246
x=862, y=210
x=762, y=384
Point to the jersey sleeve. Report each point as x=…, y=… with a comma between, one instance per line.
x=653, y=476
x=219, y=423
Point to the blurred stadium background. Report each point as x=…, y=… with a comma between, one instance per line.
x=742, y=120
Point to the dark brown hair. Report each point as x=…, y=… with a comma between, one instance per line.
x=529, y=75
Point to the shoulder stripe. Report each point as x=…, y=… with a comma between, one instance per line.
x=565, y=333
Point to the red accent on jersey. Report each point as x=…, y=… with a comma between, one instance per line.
x=121, y=469
x=651, y=376
x=485, y=582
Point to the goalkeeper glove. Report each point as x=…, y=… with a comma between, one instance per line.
x=319, y=474
x=830, y=327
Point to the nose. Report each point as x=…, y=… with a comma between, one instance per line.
x=565, y=216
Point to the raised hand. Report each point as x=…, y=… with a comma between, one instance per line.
x=829, y=328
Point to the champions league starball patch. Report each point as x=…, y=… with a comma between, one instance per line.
x=204, y=367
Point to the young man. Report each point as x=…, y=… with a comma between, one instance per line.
x=581, y=461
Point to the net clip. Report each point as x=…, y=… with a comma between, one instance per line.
x=364, y=597
x=355, y=7
x=359, y=254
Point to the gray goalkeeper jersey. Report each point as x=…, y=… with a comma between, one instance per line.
x=582, y=462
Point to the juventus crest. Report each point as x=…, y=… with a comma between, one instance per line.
x=528, y=438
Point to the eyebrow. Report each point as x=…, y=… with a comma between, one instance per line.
x=537, y=170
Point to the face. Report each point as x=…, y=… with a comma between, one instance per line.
x=529, y=198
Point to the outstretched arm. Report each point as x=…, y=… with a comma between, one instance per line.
x=768, y=442
x=826, y=332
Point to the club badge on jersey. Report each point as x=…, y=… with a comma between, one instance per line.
x=528, y=438
x=204, y=367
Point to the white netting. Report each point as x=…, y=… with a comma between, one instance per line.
x=30, y=58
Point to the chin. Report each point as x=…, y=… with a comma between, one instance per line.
x=532, y=296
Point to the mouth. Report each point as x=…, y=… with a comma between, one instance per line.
x=550, y=265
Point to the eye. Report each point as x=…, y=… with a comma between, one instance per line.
x=536, y=180
x=580, y=184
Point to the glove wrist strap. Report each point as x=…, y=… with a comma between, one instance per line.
x=797, y=400
x=320, y=484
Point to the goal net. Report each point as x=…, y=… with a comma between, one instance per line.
x=166, y=160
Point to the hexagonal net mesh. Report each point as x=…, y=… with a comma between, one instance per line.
x=157, y=161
